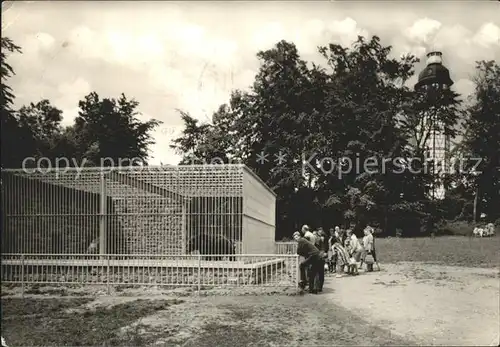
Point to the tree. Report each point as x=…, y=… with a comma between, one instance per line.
x=366, y=97
x=6, y=71
x=40, y=130
x=309, y=112
x=9, y=125
x=274, y=117
x=110, y=128
x=482, y=141
x=206, y=143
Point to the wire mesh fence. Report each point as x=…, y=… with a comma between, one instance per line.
x=176, y=271
x=194, y=225
x=207, y=209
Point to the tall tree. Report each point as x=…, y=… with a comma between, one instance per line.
x=40, y=130
x=312, y=113
x=366, y=95
x=206, y=143
x=110, y=128
x=482, y=140
x=9, y=126
x=275, y=117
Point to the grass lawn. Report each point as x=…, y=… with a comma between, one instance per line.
x=51, y=322
x=445, y=250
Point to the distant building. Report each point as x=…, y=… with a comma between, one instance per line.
x=436, y=76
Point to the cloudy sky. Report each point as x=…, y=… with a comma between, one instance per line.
x=190, y=55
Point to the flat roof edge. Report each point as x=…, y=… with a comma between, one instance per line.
x=117, y=168
x=254, y=175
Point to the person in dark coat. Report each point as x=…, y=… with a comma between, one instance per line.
x=312, y=263
x=322, y=245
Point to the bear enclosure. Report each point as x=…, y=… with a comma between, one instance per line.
x=151, y=219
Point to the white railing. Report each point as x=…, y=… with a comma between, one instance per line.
x=199, y=271
x=285, y=247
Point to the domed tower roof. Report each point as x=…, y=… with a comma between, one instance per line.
x=434, y=73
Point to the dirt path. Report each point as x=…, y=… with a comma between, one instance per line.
x=224, y=321
x=404, y=304
x=427, y=303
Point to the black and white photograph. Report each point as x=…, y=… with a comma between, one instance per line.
x=250, y=173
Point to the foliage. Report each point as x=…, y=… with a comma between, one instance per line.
x=107, y=131
x=345, y=132
x=350, y=109
x=9, y=126
x=40, y=129
x=458, y=228
x=6, y=71
x=110, y=128
x=482, y=141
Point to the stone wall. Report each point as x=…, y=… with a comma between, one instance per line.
x=152, y=225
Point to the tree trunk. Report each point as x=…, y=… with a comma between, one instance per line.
x=386, y=218
x=476, y=201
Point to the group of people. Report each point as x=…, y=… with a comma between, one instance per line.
x=488, y=230
x=338, y=251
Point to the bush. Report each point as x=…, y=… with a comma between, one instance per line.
x=459, y=228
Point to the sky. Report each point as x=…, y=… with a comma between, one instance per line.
x=190, y=55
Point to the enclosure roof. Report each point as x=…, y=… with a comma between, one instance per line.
x=247, y=169
x=179, y=181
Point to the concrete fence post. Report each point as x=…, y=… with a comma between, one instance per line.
x=22, y=275
x=103, y=217
x=199, y=274
x=297, y=270
x=108, y=275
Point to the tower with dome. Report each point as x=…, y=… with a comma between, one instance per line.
x=433, y=79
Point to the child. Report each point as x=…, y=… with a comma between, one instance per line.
x=369, y=246
x=355, y=248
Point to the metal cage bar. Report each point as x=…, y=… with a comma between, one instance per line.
x=137, y=211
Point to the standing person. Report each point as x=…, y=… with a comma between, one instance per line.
x=331, y=233
x=331, y=254
x=342, y=236
x=323, y=237
x=354, y=246
x=365, y=245
x=311, y=264
x=319, y=239
x=369, y=244
x=307, y=234
x=322, y=245
x=316, y=238
x=337, y=231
